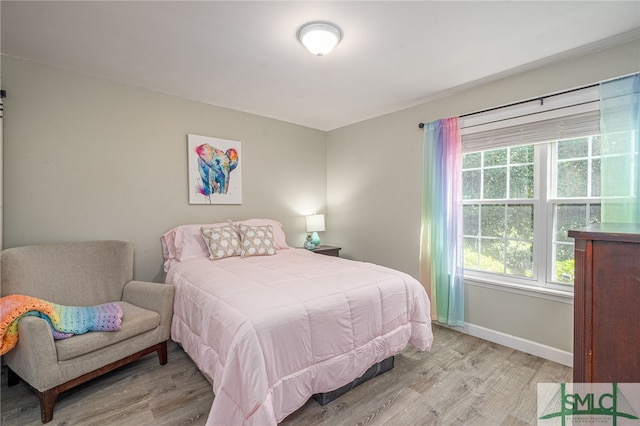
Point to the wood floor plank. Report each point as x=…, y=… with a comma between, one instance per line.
x=462, y=380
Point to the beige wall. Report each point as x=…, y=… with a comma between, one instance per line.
x=86, y=158
x=374, y=187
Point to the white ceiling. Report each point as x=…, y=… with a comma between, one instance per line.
x=245, y=55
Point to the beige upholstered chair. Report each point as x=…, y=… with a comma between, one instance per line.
x=82, y=274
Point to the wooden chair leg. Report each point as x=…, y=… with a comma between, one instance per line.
x=48, y=397
x=47, y=401
x=162, y=353
x=12, y=378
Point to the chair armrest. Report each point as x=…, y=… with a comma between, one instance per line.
x=35, y=358
x=152, y=296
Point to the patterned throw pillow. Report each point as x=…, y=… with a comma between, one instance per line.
x=256, y=241
x=222, y=241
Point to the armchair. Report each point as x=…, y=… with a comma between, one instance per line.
x=81, y=274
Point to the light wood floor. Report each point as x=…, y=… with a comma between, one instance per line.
x=463, y=380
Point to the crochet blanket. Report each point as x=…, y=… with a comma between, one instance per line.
x=65, y=321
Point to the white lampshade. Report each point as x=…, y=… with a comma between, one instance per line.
x=315, y=223
x=319, y=37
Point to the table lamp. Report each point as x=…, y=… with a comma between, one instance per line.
x=315, y=224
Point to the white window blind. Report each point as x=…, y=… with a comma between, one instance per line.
x=563, y=116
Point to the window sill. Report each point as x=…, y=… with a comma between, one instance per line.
x=542, y=293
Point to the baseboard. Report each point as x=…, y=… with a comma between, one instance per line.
x=520, y=344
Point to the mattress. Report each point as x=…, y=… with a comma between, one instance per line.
x=271, y=331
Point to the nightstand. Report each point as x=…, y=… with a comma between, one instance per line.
x=327, y=250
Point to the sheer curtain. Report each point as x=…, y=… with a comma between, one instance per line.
x=441, y=270
x=620, y=140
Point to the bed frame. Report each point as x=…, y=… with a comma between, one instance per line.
x=373, y=371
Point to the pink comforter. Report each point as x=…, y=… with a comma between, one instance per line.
x=271, y=331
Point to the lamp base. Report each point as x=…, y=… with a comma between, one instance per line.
x=308, y=244
x=315, y=238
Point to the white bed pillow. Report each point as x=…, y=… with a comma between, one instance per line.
x=221, y=241
x=256, y=240
x=189, y=243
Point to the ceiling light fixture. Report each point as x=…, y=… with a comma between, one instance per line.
x=319, y=37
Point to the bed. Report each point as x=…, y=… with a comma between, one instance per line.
x=271, y=328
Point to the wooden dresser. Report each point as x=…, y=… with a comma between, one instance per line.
x=606, y=341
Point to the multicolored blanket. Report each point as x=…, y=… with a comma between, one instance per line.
x=65, y=321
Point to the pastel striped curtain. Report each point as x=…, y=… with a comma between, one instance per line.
x=620, y=140
x=441, y=256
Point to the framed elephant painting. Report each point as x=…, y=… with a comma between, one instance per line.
x=215, y=170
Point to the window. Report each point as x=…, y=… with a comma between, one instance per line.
x=574, y=199
x=530, y=173
x=520, y=199
x=533, y=170
x=499, y=204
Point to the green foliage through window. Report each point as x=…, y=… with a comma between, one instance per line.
x=500, y=207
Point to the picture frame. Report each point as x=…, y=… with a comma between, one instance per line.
x=215, y=170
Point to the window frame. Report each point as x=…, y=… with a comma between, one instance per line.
x=545, y=203
x=553, y=201
x=538, y=223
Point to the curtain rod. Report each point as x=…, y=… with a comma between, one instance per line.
x=541, y=99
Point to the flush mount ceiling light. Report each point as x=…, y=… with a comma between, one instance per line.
x=319, y=37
